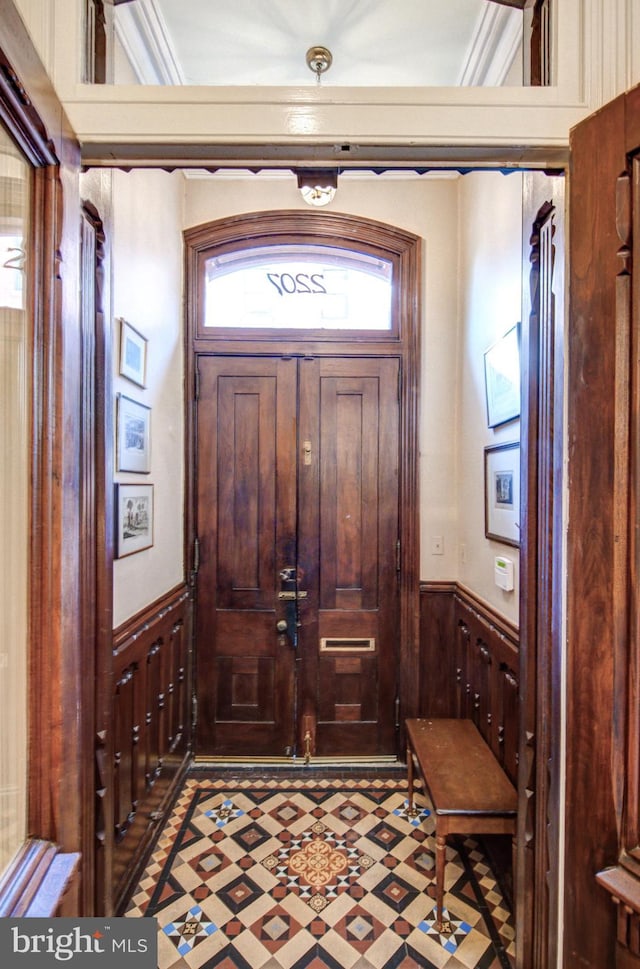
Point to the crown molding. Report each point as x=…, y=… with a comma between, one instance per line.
x=495, y=42
x=144, y=35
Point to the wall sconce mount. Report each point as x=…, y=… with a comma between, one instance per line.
x=317, y=185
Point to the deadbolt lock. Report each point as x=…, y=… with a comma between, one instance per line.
x=281, y=625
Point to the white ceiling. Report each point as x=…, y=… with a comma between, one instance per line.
x=377, y=43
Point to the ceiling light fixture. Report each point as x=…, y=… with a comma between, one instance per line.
x=319, y=60
x=317, y=186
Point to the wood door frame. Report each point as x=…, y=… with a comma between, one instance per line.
x=404, y=250
x=40, y=129
x=542, y=438
x=96, y=562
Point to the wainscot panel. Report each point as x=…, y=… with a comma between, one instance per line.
x=151, y=727
x=470, y=666
x=437, y=665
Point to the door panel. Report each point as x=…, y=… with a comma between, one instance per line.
x=246, y=522
x=298, y=467
x=347, y=550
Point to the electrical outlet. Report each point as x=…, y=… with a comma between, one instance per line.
x=437, y=544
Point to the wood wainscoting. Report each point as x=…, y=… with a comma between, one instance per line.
x=470, y=666
x=151, y=717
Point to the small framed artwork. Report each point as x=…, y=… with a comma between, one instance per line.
x=133, y=354
x=502, y=493
x=502, y=378
x=134, y=435
x=134, y=516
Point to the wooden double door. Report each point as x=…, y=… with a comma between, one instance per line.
x=297, y=590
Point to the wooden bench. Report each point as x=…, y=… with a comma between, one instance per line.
x=469, y=791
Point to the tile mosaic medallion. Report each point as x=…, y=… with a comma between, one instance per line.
x=315, y=873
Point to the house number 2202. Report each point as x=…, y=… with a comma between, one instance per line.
x=287, y=283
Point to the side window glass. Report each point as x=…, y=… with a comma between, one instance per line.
x=15, y=437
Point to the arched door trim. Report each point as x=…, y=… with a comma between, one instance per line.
x=404, y=249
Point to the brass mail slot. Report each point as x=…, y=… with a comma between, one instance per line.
x=337, y=644
x=292, y=595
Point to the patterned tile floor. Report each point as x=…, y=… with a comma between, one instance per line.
x=315, y=872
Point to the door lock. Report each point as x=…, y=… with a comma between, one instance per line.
x=289, y=596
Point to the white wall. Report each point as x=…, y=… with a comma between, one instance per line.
x=471, y=227
x=490, y=228
x=147, y=281
x=429, y=208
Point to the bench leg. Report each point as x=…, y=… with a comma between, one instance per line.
x=410, y=811
x=441, y=856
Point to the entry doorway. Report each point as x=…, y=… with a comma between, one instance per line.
x=302, y=500
x=297, y=514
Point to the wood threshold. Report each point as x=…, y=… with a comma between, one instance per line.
x=381, y=761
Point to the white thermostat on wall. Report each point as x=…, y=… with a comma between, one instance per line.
x=504, y=573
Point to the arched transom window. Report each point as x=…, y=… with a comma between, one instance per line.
x=306, y=286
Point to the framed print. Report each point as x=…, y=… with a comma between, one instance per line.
x=502, y=493
x=133, y=354
x=134, y=435
x=134, y=516
x=502, y=378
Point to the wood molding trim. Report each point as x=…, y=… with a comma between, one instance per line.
x=95, y=556
x=507, y=629
x=131, y=629
x=595, y=743
x=622, y=880
x=37, y=117
x=33, y=117
x=403, y=248
x=37, y=880
x=437, y=588
x=541, y=571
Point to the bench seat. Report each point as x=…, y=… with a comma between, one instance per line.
x=469, y=791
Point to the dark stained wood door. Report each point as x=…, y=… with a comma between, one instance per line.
x=603, y=562
x=348, y=533
x=297, y=465
x=246, y=467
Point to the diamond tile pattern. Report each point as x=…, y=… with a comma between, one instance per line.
x=316, y=873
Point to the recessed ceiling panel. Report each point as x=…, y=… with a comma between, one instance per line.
x=378, y=43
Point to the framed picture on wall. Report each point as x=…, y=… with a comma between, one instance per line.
x=502, y=493
x=133, y=354
x=134, y=517
x=133, y=435
x=502, y=378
